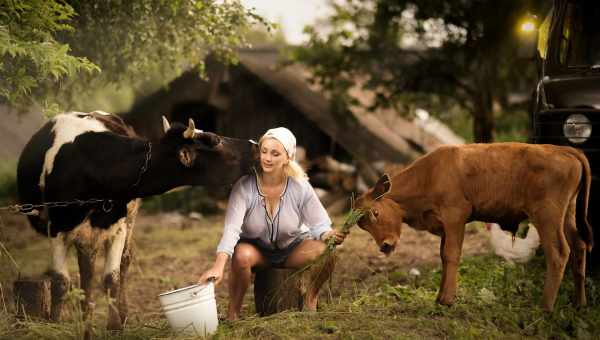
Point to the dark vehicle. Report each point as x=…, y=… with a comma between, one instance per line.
x=566, y=104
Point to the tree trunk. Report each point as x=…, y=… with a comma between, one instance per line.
x=483, y=119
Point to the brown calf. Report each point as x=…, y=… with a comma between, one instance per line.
x=503, y=183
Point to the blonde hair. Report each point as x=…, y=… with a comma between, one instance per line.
x=291, y=169
x=294, y=170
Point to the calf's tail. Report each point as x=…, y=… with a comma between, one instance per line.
x=583, y=225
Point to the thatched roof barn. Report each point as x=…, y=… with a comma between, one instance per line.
x=258, y=93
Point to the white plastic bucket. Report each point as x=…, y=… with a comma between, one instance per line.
x=191, y=309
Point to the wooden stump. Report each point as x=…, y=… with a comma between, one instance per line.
x=275, y=291
x=33, y=298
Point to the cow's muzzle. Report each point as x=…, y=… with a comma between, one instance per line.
x=387, y=248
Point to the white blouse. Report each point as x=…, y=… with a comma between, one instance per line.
x=299, y=214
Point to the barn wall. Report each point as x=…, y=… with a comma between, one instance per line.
x=237, y=105
x=254, y=107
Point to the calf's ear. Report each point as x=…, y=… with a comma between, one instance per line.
x=382, y=187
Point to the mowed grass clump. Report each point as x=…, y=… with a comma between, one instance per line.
x=369, y=297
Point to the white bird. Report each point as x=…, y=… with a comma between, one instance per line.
x=512, y=248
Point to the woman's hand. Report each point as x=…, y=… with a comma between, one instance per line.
x=339, y=236
x=214, y=274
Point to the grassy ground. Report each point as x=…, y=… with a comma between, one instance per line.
x=8, y=181
x=369, y=297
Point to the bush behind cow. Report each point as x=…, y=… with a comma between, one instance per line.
x=504, y=183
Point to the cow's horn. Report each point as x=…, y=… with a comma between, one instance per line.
x=166, y=125
x=191, y=130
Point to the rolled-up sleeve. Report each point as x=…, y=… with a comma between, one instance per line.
x=314, y=215
x=234, y=219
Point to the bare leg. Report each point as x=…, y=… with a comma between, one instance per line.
x=306, y=252
x=245, y=257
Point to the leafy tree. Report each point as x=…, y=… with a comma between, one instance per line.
x=45, y=43
x=462, y=51
x=29, y=52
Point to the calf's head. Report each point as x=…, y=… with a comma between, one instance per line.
x=206, y=158
x=382, y=217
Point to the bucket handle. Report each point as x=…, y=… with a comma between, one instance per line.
x=210, y=279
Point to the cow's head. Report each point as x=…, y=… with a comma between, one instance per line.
x=207, y=158
x=382, y=217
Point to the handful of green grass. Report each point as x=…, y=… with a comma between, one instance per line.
x=350, y=220
x=315, y=268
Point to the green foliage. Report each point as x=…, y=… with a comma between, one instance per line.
x=511, y=126
x=30, y=54
x=462, y=52
x=129, y=41
x=263, y=35
x=8, y=182
x=499, y=299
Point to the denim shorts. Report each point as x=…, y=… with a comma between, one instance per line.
x=275, y=257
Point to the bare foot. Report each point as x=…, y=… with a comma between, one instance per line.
x=232, y=316
x=310, y=302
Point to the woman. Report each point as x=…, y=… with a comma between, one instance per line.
x=273, y=218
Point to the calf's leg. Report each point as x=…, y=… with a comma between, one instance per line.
x=578, y=255
x=556, y=252
x=451, y=250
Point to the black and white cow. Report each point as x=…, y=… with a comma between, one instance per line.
x=84, y=156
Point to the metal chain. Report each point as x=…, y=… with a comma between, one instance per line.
x=144, y=167
x=107, y=204
x=27, y=208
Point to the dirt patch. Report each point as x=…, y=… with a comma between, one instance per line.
x=171, y=255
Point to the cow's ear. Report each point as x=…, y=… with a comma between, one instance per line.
x=166, y=125
x=382, y=187
x=208, y=139
x=187, y=156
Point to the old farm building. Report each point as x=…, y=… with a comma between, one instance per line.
x=258, y=93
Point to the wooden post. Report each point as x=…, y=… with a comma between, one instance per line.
x=33, y=298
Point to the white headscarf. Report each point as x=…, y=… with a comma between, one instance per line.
x=285, y=137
